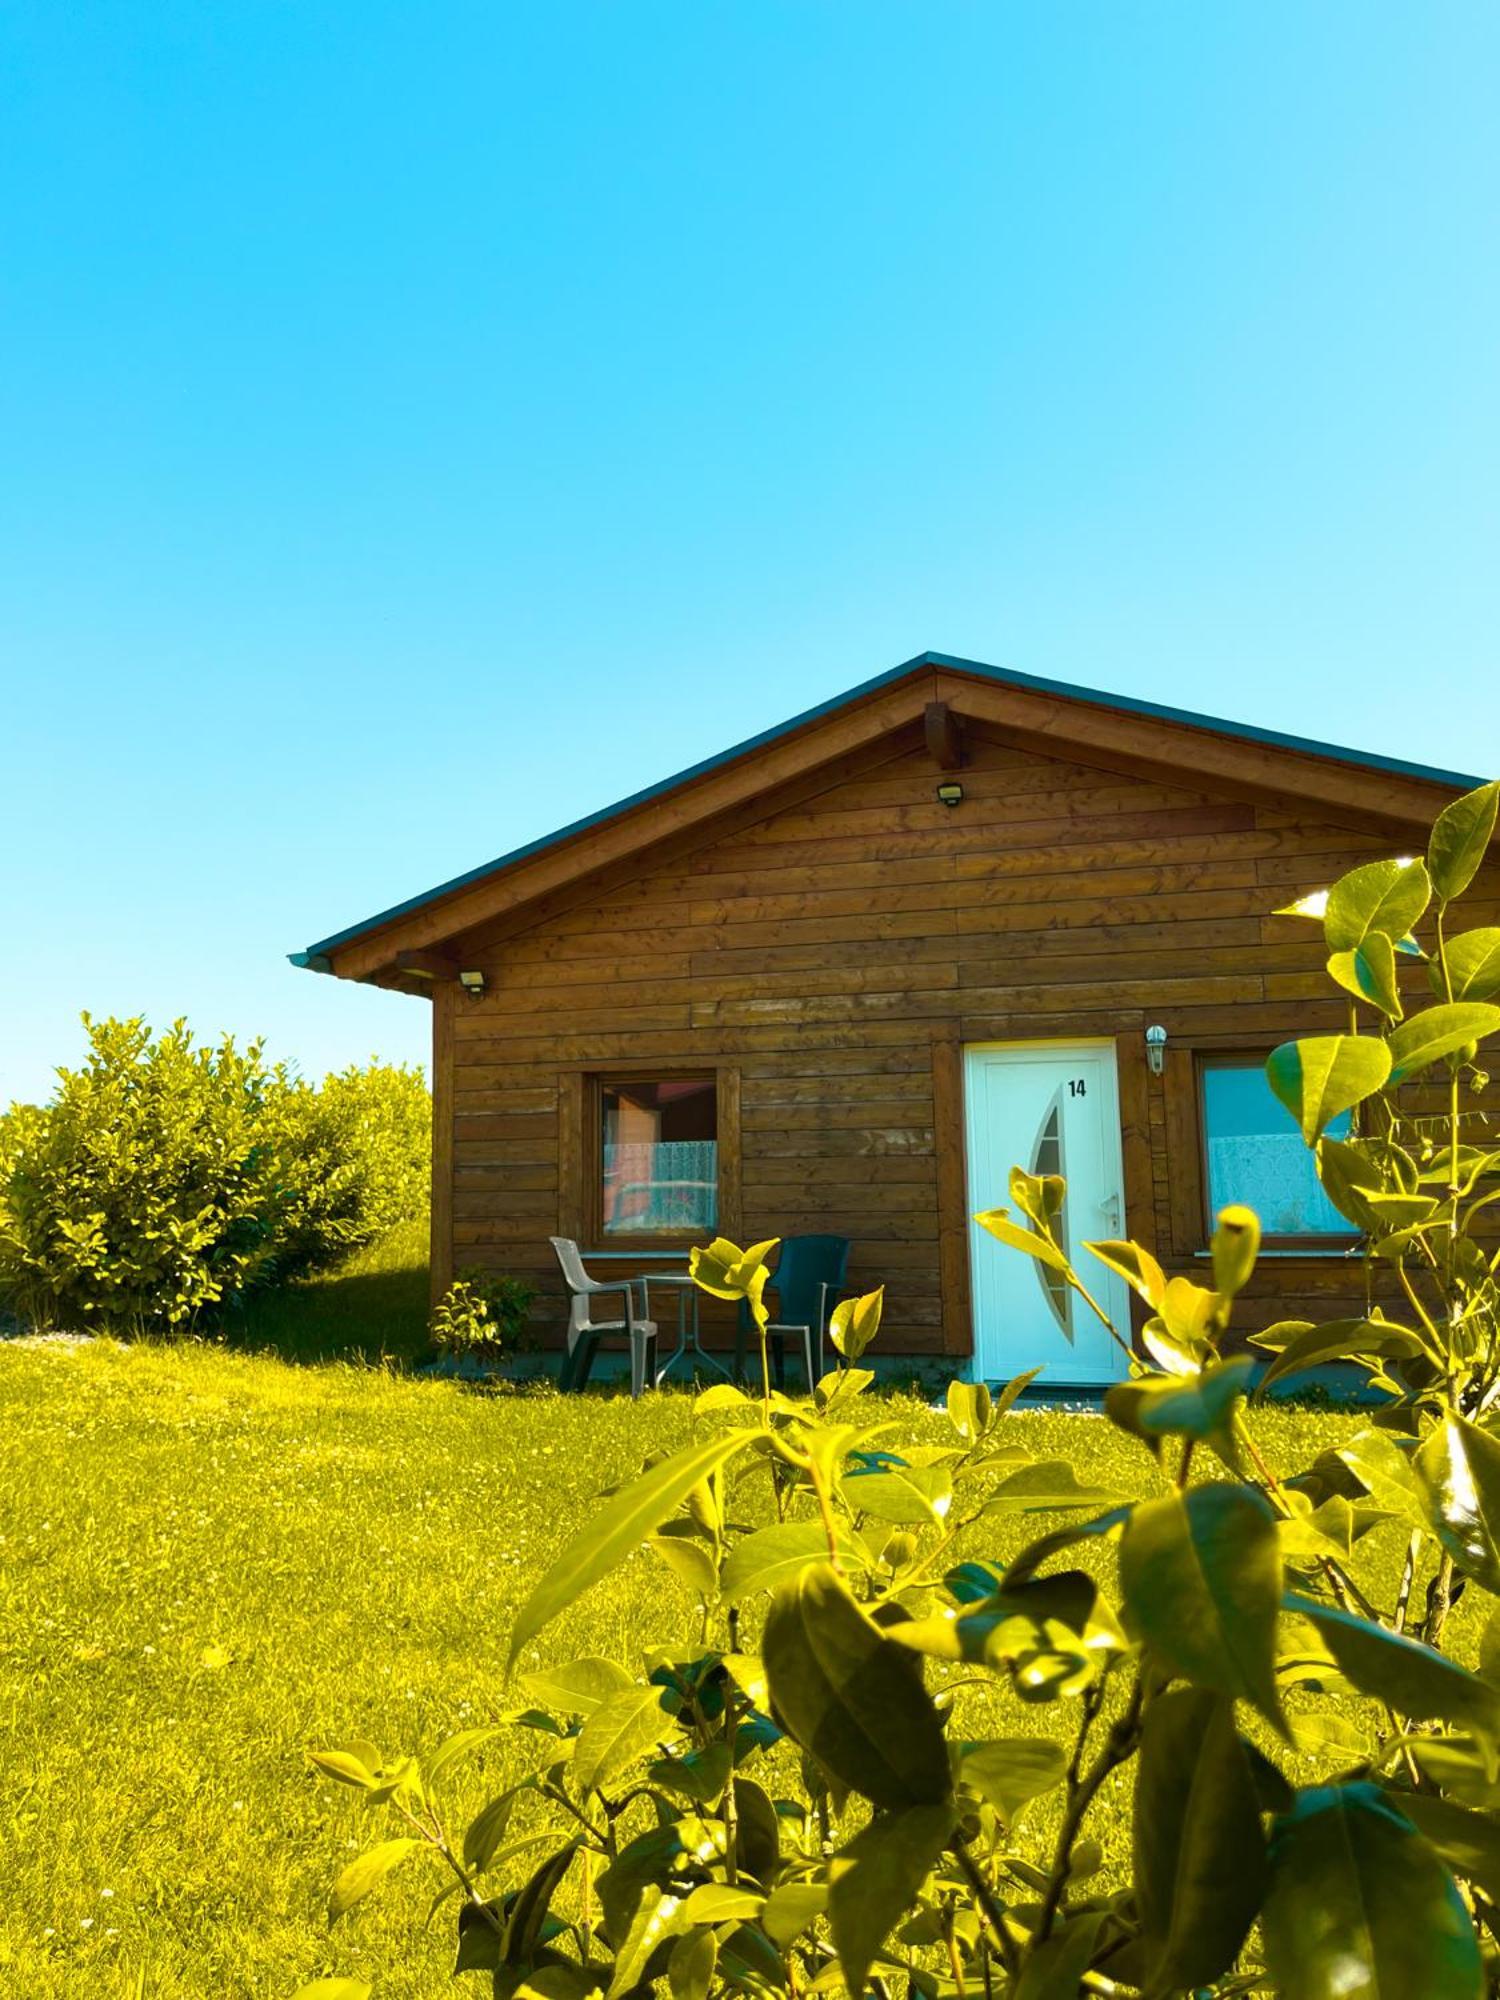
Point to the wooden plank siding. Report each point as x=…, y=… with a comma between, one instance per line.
x=828, y=955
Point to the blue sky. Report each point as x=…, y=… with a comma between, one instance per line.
x=420, y=426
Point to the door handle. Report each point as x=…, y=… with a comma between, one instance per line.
x=1111, y=1207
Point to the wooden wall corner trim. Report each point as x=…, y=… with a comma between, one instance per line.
x=440, y=1254
x=952, y=1192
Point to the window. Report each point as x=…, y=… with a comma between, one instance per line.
x=1254, y=1153
x=658, y=1158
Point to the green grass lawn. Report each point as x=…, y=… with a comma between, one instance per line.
x=213, y=1560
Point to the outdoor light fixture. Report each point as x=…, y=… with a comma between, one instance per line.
x=950, y=793
x=1156, y=1049
x=472, y=983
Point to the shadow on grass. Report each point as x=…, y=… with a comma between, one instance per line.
x=372, y=1307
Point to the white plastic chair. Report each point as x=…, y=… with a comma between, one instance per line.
x=585, y=1332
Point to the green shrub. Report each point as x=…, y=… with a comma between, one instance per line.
x=485, y=1316
x=164, y=1179
x=803, y=1788
x=144, y=1194
x=354, y=1160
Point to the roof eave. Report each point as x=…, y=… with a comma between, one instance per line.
x=319, y=957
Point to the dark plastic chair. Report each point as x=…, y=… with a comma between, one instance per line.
x=807, y=1281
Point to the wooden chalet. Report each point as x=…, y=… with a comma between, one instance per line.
x=842, y=977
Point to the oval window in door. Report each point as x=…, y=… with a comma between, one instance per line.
x=1047, y=1158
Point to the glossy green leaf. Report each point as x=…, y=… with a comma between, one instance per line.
x=1201, y=1573
x=1388, y=1475
x=1468, y=1841
x=1054, y=1969
x=1235, y=1247
x=1473, y=962
x=1050, y=1486
x=969, y=1409
x=620, y=1527
x=872, y=1881
x=1369, y=973
x=1012, y=1770
x=488, y=1828
x=901, y=1495
x=1350, y=1176
x=854, y=1323
x=1200, y=1855
x=1416, y=1681
x=851, y=1696
x=725, y=1271
x=1038, y=1196
x=689, y=1561
x=1360, y=1907
x=663, y=1853
x=719, y=1396
x=660, y=1916
x=1200, y=1406
x=997, y=1221
x=347, y=1767
x=367, y=1872
x=1439, y=1031
x=772, y=1557
x=1325, y=1075
x=758, y=1831
x=1338, y=1340
x=996, y=1628
x=1379, y=898
x=620, y=1730
x=456, y=1749
x=718, y=1903
x=1313, y=905
x=527, y=1916
x=1460, y=836
x=702, y=1774
x=1136, y=1266
x=1458, y=1472
x=578, y=1687
x=1024, y=1566
x=1011, y=1393
x=790, y=1908
x=690, y=1968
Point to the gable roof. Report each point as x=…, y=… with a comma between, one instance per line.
x=1375, y=789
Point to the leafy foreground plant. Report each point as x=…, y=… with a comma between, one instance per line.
x=798, y=1811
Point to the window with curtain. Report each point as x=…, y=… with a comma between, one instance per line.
x=1254, y=1153
x=659, y=1156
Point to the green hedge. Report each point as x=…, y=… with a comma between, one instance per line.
x=166, y=1178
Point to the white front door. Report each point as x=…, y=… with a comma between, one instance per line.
x=1053, y=1108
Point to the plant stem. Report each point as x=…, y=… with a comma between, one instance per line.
x=1408, y=1573
x=955, y=1962
x=1439, y=1599
x=984, y=1896
x=1119, y=1745
x=825, y=1508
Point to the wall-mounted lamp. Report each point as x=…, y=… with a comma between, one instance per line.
x=1156, y=1050
x=472, y=983
x=951, y=794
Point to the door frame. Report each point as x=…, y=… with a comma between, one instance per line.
x=1044, y=1048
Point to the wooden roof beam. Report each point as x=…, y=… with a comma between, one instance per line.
x=945, y=735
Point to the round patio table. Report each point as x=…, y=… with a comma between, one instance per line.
x=689, y=1348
